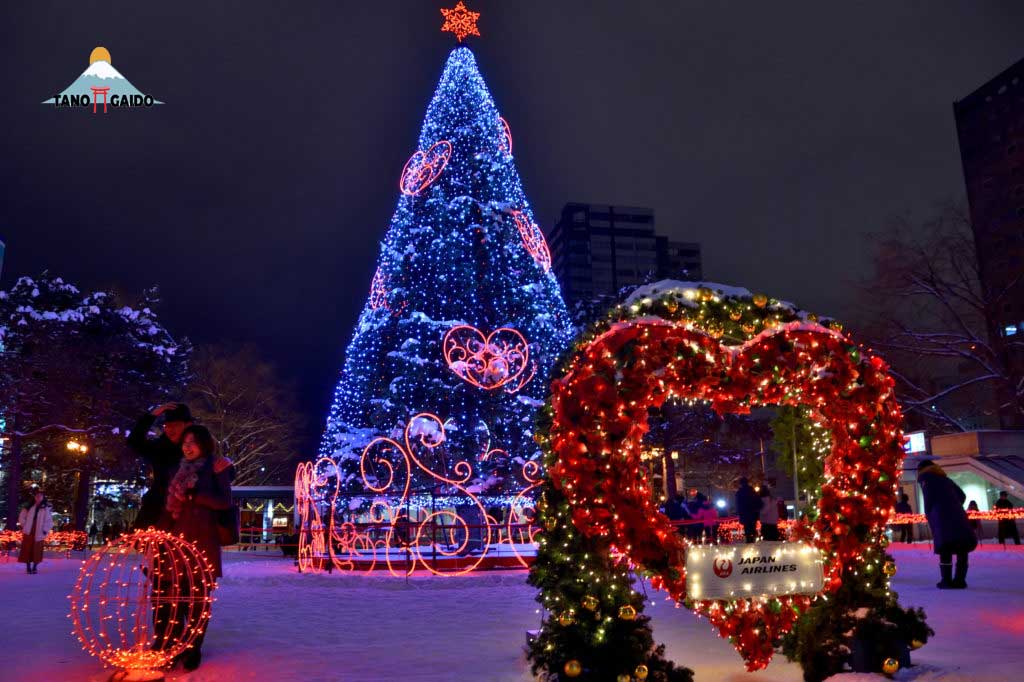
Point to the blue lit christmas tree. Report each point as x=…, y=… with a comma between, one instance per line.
x=464, y=320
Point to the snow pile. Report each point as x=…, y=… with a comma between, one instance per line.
x=270, y=623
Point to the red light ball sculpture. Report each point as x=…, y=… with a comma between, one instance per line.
x=129, y=583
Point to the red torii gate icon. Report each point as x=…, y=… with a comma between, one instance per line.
x=96, y=92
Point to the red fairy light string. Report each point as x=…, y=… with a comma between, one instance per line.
x=423, y=168
x=486, y=361
x=603, y=400
x=124, y=584
x=394, y=522
x=533, y=240
x=507, y=145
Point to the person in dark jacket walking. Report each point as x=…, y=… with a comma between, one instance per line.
x=199, y=488
x=952, y=534
x=162, y=454
x=748, y=507
x=906, y=529
x=1007, y=528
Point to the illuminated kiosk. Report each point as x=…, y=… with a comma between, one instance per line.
x=428, y=459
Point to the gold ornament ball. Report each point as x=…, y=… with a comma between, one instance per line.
x=590, y=603
x=811, y=317
x=627, y=612
x=641, y=672
x=835, y=326
x=749, y=327
x=623, y=678
x=916, y=644
x=735, y=315
x=889, y=568
x=550, y=523
x=760, y=300
x=573, y=668
x=705, y=294
x=715, y=329
x=566, y=618
x=890, y=666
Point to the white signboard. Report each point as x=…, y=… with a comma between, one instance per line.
x=752, y=570
x=915, y=443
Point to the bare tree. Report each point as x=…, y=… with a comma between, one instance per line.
x=250, y=410
x=939, y=326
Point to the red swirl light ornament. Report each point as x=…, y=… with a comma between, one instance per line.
x=600, y=418
x=533, y=240
x=486, y=361
x=423, y=168
x=378, y=292
x=507, y=146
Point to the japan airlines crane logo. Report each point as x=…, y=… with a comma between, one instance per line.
x=722, y=568
x=101, y=84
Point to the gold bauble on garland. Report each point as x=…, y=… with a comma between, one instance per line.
x=566, y=618
x=627, y=612
x=889, y=568
x=760, y=300
x=573, y=668
x=890, y=666
x=590, y=602
x=916, y=644
x=641, y=672
x=624, y=677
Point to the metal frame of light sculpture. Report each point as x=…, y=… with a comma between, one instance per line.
x=487, y=361
x=533, y=240
x=423, y=168
x=348, y=548
x=121, y=584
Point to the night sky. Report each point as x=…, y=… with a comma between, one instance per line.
x=779, y=135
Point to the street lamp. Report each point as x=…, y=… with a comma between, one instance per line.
x=74, y=446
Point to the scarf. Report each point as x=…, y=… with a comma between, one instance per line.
x=184, y=480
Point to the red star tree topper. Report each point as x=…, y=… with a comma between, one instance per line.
x=460, y=21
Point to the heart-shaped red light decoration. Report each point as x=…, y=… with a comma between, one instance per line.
x=423, y=168
x=600, y=417
x=487, y=361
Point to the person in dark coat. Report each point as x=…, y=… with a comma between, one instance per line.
x=1007, y=528
x=199, y=488
x=748, y=507
x=952, y=534
x=906, y=529
x=676, y=510
x=162, y=454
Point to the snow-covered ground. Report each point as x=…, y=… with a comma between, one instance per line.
x=270, y=623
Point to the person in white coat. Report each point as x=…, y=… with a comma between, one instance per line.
x=36, y=522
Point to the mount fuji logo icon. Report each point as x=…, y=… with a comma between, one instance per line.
x=101, y=84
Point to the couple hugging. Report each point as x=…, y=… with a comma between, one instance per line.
x=189, y=495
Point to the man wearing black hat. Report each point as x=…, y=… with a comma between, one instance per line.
x=163, y=454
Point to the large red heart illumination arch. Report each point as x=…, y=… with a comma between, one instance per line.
x=600, y=409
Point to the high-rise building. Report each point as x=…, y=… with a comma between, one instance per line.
x=990, y=126
x=597, y=249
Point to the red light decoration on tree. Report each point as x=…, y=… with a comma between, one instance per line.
x=423, y=168
x=600, y=417
x=386, y=466
x=124, y=583
x=533, y=240
x=378, y=292
x=487, y=361
x=507, y=147
x=460, y=21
